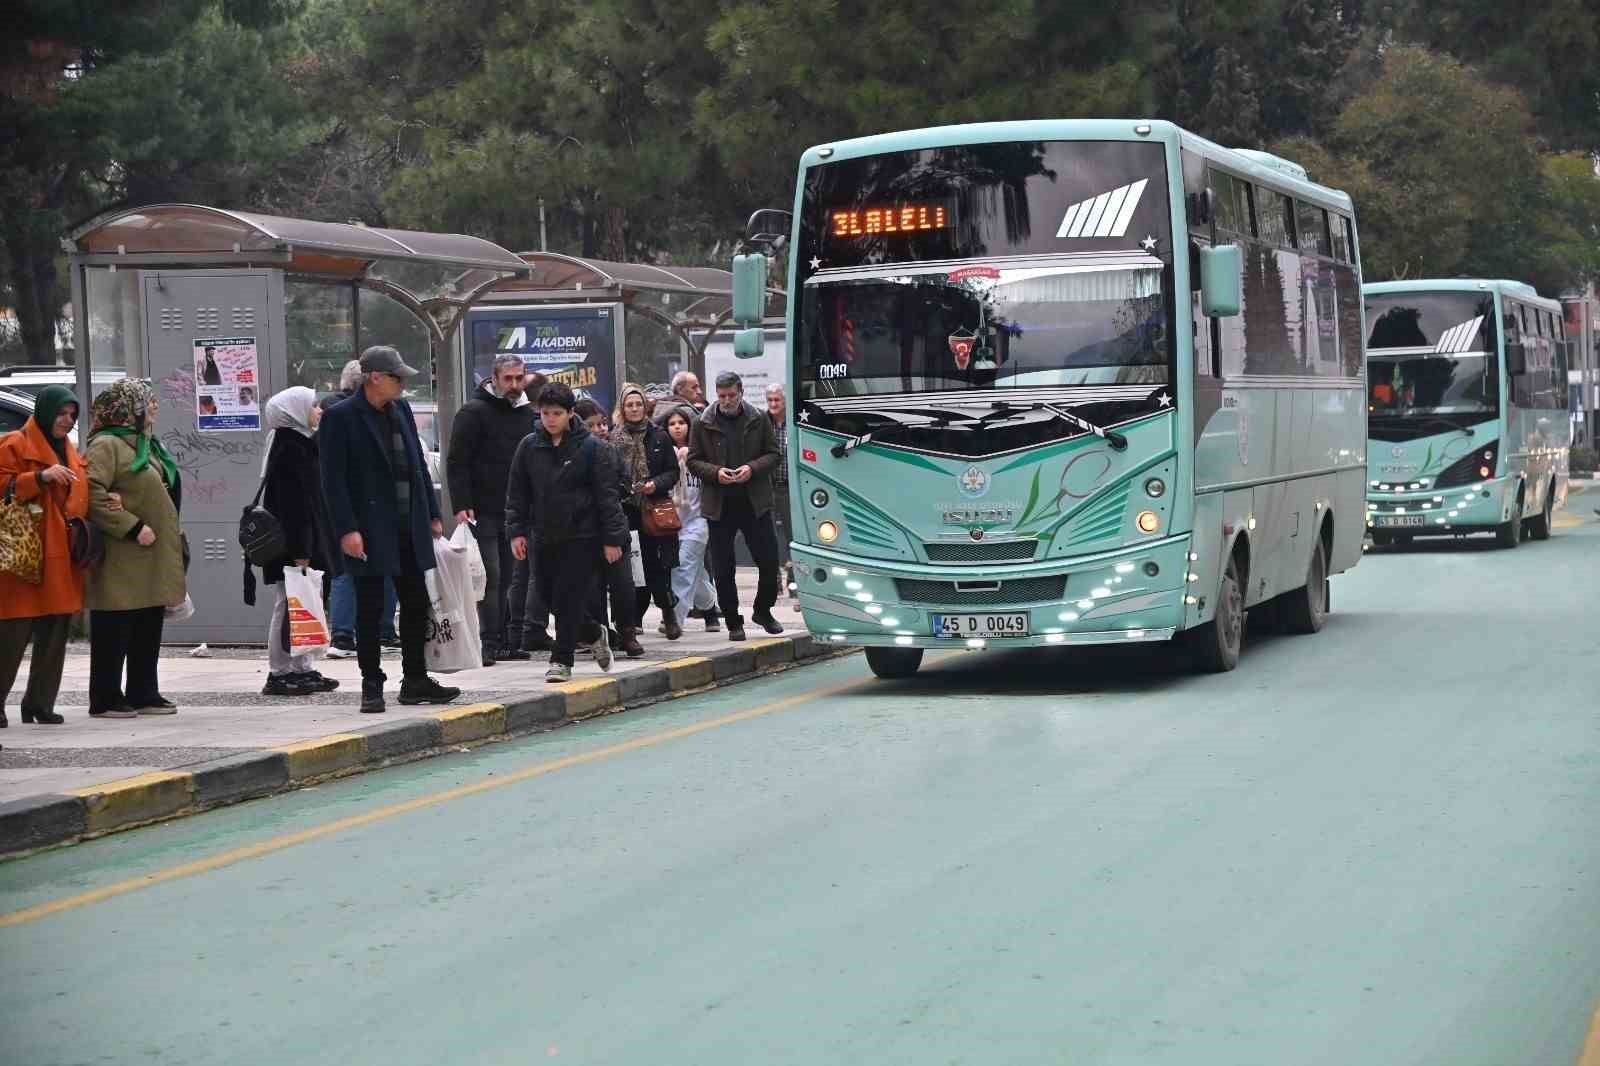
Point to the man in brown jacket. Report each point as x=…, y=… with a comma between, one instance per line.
x=734, y=452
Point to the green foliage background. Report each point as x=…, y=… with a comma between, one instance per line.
x=1465, y=129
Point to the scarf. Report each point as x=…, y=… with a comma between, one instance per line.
x=629, y=439
x=46, y=406
x=119, y=412
x=291, y=410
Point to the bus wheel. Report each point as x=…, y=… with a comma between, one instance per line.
x=1216, y=644
x=1539, y=528
x=1305, y=610
x=894, y=662
x=1508, y=534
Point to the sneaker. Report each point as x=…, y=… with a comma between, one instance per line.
x=736, y=632
x=391, y=641
x=372, y=697
x=160, y=705
x=630, y=645
x=767, y=622
x=713, y=622
x=288, y=685
x=602, y=652
x=513, y=655
x=317, y=682
x=557, y=673
x=426, y=690
x=488, y=655
x=342, y=648
x=121, y=710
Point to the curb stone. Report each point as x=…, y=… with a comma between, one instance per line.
x=34, y=822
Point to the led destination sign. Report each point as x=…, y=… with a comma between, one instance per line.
x=922, y=217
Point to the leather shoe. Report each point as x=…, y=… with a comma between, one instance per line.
x=425, y=689
x=767, y=622
x=39, y=717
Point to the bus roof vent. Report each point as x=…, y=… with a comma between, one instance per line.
x=1278, y=163
x=1520, y=288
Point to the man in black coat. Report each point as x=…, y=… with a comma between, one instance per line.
x=386, y=515
x=483, y=440
x=563, y=512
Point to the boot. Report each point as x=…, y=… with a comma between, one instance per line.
x=630, y=644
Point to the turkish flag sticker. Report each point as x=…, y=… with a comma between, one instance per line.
x=961, y=348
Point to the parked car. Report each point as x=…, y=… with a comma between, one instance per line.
x=30, y=378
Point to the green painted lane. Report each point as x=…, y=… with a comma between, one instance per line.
x=1372, y=845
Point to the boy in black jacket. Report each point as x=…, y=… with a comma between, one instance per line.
x=563, y=512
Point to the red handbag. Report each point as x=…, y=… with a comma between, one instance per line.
x=659, y=518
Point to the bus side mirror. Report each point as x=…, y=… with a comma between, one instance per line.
x=749, y=289
x=1221, y=268
x=749, y=343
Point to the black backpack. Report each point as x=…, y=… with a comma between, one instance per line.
x=261, y=538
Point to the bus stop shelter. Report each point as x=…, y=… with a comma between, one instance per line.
x=221, y=309
x=594, y=324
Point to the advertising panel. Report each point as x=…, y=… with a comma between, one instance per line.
x=573, y=344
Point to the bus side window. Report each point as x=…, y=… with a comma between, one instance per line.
x=1516, y=383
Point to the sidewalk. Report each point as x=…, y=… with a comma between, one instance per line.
x=222, y=712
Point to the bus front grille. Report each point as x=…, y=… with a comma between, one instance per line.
x=1047, y=589
x=1000, y=551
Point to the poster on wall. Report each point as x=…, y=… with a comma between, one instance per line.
x=227, y=384
x=575, y=345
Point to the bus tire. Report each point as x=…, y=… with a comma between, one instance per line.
x=1508, y=534
x=1216, y=645
x=894, y=662
x=1540, y=527
x=1305, y=610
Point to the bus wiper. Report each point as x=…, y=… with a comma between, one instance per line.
x=1436, y=421
x=845, y=447
x=1118, y=442
x=1002, y=409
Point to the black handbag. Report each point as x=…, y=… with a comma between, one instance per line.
x=261, y=538
x=85, y=543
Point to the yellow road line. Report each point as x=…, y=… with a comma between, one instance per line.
x=1590, y=1055
x=304, y=836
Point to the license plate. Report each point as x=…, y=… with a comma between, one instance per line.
x=960, y=626
x=1399, y=520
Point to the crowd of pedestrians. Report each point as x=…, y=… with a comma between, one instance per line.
x=581, y=521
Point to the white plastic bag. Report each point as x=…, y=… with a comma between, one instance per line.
x=636, y=561
x=453, y=642
x=308, y=617
x=467, y=541
x=181, y=612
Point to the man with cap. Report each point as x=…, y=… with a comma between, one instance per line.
x=386, y=514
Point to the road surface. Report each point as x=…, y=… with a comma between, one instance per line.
x=1374, y=845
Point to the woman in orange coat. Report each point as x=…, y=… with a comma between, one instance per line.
x=42, y=468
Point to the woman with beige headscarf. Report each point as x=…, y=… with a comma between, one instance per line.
x=650, y=466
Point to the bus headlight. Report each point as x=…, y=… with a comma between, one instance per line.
x=1148, y=522
x=827, y=532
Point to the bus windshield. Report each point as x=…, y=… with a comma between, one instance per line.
x=925, y=329
x=1431, y=353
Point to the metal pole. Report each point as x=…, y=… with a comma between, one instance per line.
x=541, y=224
x=80, y=346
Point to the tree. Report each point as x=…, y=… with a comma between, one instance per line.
x=1442, y=166
x=129, y=101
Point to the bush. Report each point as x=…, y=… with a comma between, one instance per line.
x=1581, y=460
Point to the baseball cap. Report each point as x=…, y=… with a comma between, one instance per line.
x=383, y=359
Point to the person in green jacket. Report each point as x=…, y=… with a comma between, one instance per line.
x=143, y=572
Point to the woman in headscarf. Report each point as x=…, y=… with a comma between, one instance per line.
x=142, y=573
x=293, y=495
x=651, y=467
x=39, y=467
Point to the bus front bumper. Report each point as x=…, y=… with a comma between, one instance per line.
x=1109, y=598
x=1474, y=508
